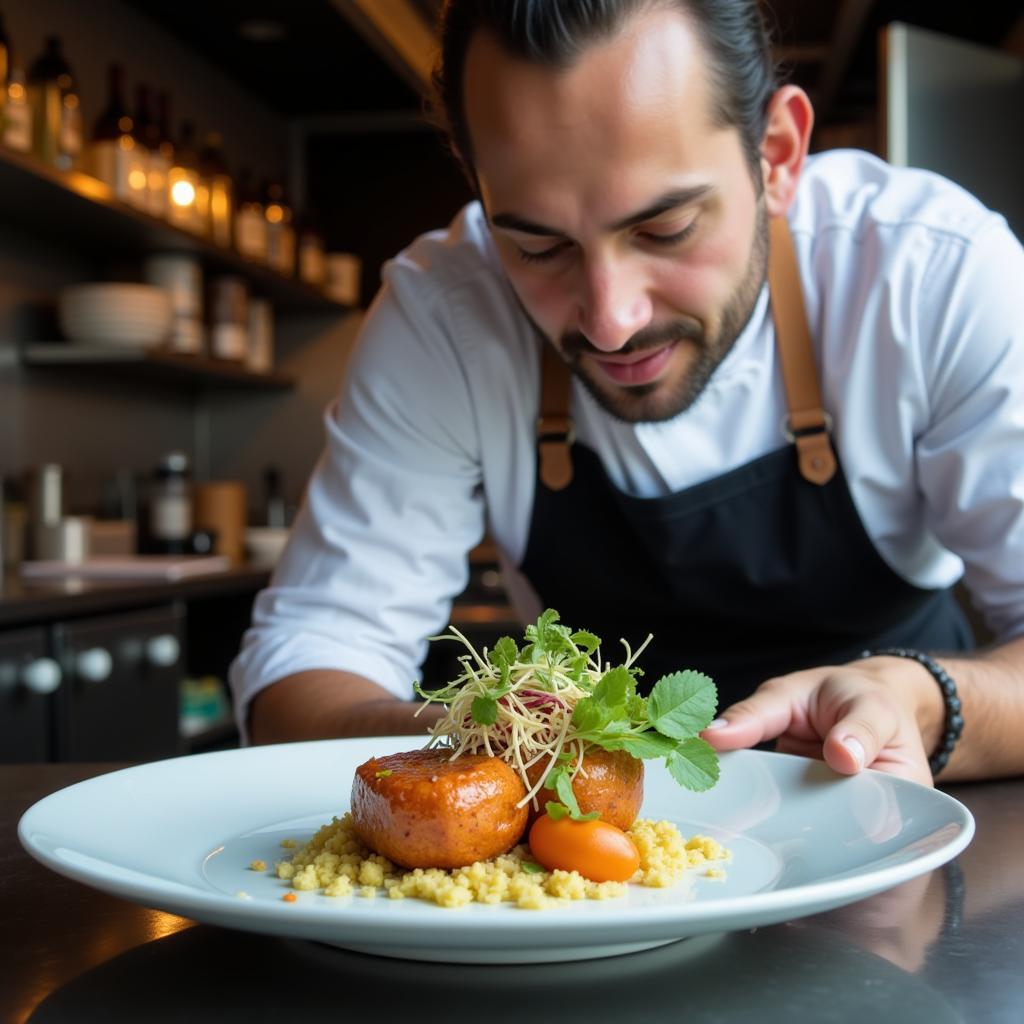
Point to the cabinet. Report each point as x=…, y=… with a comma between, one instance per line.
x=122, y=675
x=29, y=681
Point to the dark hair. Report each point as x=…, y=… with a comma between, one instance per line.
x=556, y=32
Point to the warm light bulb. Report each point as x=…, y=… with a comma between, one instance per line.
x=137, y=179
x=183, y=193
x=275, y=214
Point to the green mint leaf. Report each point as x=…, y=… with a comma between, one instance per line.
x=484, y=710
x=555, y=810
x=694, y=764
x=588, y=716
x=589, y=642
x=682, y=704
x=636, y=708
x=505, y=653
x=585, y=817
x=532, y=868
x=614, y=687
x=645, y=745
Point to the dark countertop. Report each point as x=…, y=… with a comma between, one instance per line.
x=23, y=602
x=947, y=946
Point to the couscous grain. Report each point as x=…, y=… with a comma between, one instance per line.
x=335, y=862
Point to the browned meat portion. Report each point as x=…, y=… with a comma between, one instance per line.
x=421, y=810
x=613, y=785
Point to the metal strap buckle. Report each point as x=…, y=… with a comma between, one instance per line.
x=791, y=435
x=557, y=429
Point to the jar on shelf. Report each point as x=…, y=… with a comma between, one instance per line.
x=229, y=318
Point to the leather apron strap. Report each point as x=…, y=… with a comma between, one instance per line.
x=807, y=424
x=555, y=430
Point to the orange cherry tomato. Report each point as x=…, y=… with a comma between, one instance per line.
x=597, y=850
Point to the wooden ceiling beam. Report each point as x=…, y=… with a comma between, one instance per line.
x=1014, y=41
x=846, y=33
x=397, y=30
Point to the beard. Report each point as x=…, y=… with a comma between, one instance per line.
x=664, y=399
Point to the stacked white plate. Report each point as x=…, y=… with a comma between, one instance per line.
x=124, y=315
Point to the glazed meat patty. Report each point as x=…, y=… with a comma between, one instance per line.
x=421, y=810
x=613, y=784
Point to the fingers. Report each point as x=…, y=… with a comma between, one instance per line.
x=840, y=714
x=770, y=712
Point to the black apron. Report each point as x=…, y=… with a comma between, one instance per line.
x=761, y=571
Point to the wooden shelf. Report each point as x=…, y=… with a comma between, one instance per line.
x=80, y=211
x=153, y=364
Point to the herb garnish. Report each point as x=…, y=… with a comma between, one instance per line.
x=547, y=701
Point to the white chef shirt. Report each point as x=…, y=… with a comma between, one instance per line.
x=915, y=299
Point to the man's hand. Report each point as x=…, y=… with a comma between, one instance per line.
x=848, y=715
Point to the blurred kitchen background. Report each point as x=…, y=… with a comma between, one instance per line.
x=195, y=203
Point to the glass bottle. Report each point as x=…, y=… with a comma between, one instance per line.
x=56, y=113
x=280, y=230
x=250, y=220
x=161, y=158
x=217, y=181
x=5, y=68
x=183, y=180
x=170, y=506
x=312, y=252
x=146, y=141
x=114, y=148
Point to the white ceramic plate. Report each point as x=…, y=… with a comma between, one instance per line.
x=179, y=835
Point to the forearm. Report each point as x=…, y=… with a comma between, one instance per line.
x=326, y=704
x=991, y=688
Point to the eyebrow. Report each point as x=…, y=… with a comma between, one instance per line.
x=669, y=201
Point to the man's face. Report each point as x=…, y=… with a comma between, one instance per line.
x=627, y=222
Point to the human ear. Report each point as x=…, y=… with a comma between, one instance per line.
x=784, y=146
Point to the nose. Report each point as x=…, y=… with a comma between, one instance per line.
x=614, y=304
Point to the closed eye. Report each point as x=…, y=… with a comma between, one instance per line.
x=544, y=254
x=674, y=239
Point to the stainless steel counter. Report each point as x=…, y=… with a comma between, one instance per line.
x=946, y=947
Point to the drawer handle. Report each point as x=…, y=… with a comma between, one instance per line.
x=163, y=650
x=43, y=675
x=94, y=665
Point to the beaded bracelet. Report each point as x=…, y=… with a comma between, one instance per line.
x=954, y=723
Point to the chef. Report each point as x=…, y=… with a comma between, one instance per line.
x=694, y=383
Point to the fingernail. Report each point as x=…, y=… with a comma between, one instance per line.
x=718, y=723
x=856, y=748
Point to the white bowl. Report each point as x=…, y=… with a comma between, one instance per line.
x=132, y=315
x=264, y=544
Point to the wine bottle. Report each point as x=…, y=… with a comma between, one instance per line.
x=56, y=112
x=115, y=150
x=183, y=181
x=220, y=188
x=161, y=158
x=280, y=230
x=250, y=221
x=5, y=68
x=146, y=140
